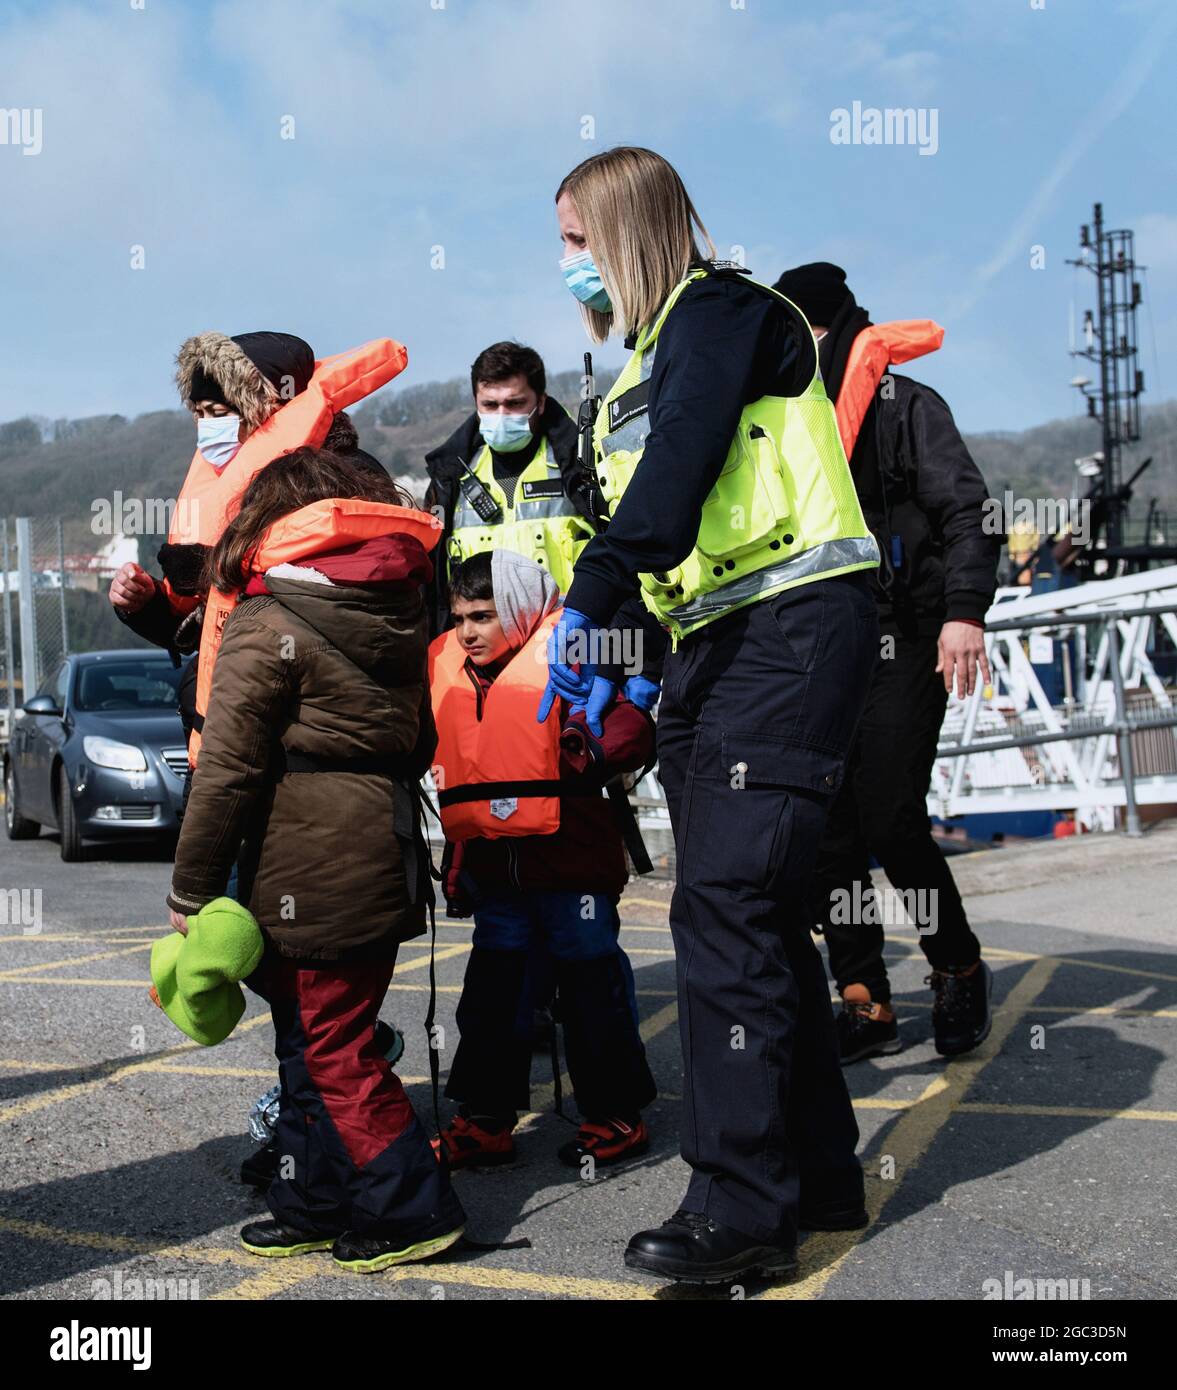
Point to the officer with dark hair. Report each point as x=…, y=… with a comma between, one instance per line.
x=509, y=478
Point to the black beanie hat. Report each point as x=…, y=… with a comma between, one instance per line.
x=285, y=360
x=818, y=289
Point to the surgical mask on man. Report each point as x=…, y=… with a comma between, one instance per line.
x=584, y=280
x=506, y=434
x=216, y=438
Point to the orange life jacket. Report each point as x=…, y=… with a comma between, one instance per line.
x=871, y=353
x=312, y=530
x=207, y=499
x=497, y=769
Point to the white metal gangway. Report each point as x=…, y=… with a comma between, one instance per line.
x=1008, y=748
x=1109, y=743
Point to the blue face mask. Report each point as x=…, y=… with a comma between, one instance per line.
x=584, y=280
x=216, y=438
x=506, y=434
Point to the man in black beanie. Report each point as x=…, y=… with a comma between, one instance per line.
x=922, y=496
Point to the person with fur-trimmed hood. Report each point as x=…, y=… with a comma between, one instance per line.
x=232, y=386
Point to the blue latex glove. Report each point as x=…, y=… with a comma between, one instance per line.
x=572, y=680
x=642, y=692
x=600, y=698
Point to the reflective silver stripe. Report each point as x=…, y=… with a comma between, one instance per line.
x=466, y=518
x=543, y=508
x=632, y=435
x=829, y=555
x=538, y=509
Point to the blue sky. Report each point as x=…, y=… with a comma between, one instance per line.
x=424, y=123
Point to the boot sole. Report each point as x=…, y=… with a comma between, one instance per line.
x=884, y=1049
x=422, y=1250
x=776, y=1267
x=635, y=1152
x=968, y=1047
x=279, y=1252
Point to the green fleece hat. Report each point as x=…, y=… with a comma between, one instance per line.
x=195, y=976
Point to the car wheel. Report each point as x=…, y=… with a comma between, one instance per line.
x=17, y=826
x=67, y=820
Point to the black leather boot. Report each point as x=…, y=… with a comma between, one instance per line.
x=694, y=1249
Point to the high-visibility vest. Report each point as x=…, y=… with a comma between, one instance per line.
x=209, y=498
x=313, y=530
x=541, y=521
x=784, y=511
x=875, y=349
x=497, y=769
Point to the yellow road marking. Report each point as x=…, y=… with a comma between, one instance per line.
x=1081, y=1112
x=909, y=1139
x=76, y=960
x=313, y=1265
x=7, y=979
x=459, y=948
x=284, y=1275
x=1002, y=954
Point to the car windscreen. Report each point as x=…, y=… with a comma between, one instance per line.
x=127, y=685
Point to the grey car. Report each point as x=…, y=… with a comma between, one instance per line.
x=98, y=752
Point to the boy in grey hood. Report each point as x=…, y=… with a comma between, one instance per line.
x=544, y=905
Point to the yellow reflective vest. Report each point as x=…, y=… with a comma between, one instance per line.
x=783, y=512
x=541, y=521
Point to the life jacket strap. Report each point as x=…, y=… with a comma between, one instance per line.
x=539, y=786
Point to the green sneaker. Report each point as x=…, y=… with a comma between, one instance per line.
x=274, y=1240
x=370, y=1254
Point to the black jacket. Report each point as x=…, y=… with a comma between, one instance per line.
x=445, y=470
x=922, y=496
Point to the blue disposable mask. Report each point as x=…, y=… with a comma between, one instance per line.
x=506, y=434
x=216, y=438
x=584, y=280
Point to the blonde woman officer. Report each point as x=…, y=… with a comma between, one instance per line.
x=733, y=514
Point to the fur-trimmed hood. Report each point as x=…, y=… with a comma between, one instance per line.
x=255, y=374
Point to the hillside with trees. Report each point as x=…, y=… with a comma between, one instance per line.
x=65, y=467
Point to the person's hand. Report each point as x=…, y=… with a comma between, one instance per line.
x=961, y=649
x=600, y=697
x=642, y=692
x=131, y=588
x=179, y=922
x=570, y=673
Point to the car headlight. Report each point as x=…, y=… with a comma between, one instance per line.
x=106, y=752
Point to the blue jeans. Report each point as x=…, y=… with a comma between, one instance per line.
x=573, y=926
x=523, y=943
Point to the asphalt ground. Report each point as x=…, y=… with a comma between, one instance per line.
x=1046, y=1154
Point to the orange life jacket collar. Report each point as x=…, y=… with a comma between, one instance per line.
x=875, y=349
x=338, y=521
